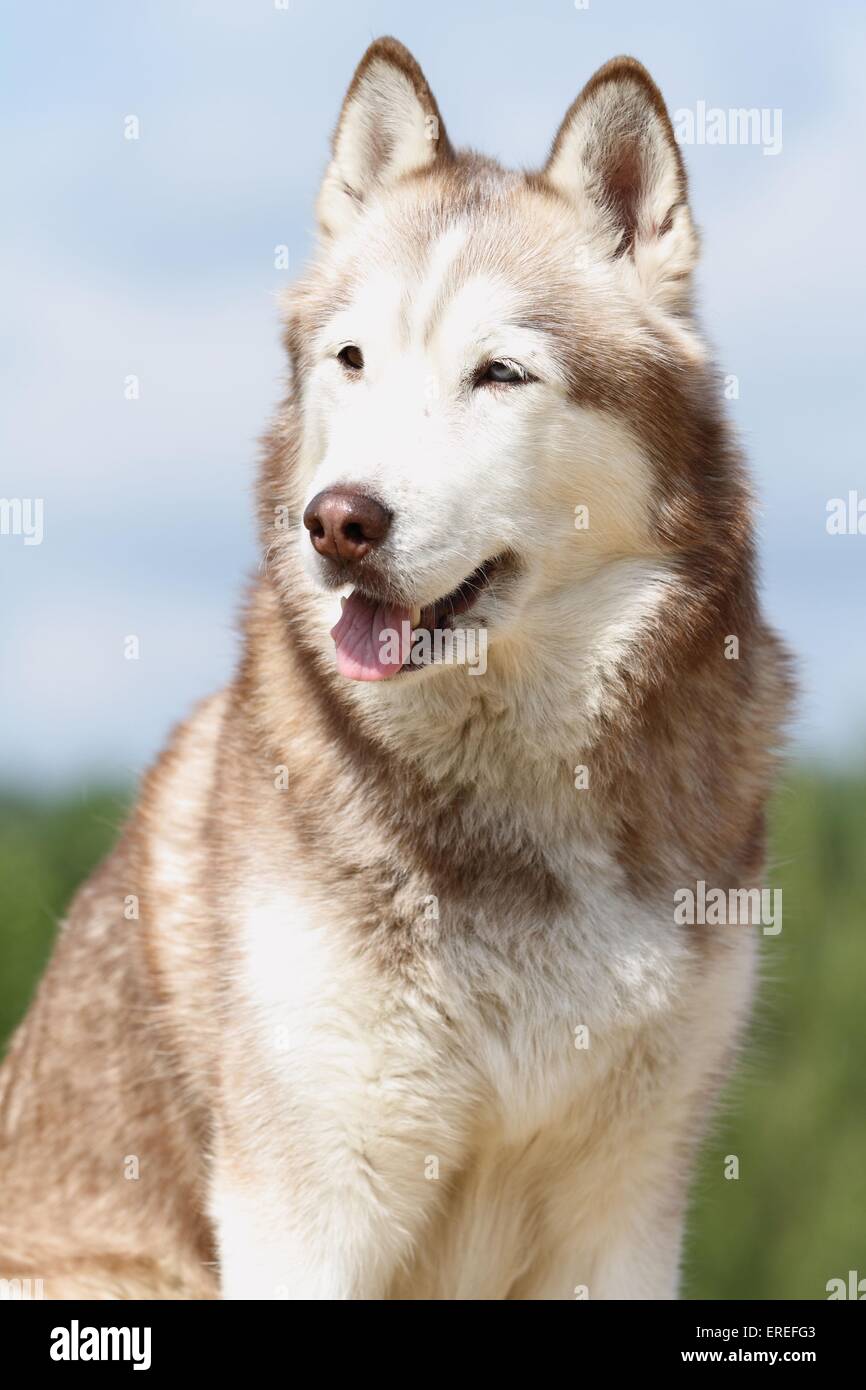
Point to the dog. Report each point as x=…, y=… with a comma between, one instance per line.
x=381, y=994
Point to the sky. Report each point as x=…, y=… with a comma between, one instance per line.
x=154, y=258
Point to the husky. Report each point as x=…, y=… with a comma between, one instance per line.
x=381, y=994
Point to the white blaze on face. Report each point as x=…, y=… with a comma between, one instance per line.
x=441, y=260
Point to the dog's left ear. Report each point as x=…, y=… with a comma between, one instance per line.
x=389, y=125
x=616, y=160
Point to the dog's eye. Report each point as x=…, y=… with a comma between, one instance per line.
x=351, y=357
x=501, y=372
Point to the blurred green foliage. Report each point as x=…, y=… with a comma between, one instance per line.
x=47, y=848
x=794, y=1115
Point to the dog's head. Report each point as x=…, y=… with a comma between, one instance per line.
x=499, y=393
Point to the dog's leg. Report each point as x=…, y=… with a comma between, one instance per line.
x=343, y=1110
x=619, y=1243
x=339, y=1230
x=637, y=1246
x=642, y=1263
x=268, y=1252
x=329, y=1197
x=630, y=1255
x=615, y=1212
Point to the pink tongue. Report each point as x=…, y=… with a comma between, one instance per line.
x=363, y=653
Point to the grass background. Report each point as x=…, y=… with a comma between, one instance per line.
x=794, y=1115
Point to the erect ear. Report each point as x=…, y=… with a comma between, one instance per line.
x=616, y=159
x=389, y=125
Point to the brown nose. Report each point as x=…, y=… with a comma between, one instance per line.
x=344, y=524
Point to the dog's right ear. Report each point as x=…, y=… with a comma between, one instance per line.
x=616, y=160
x=389, y=126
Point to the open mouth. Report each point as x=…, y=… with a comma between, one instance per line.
x=374, y=640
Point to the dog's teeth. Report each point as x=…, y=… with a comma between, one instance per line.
x=342, y=603
x=416, y=617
